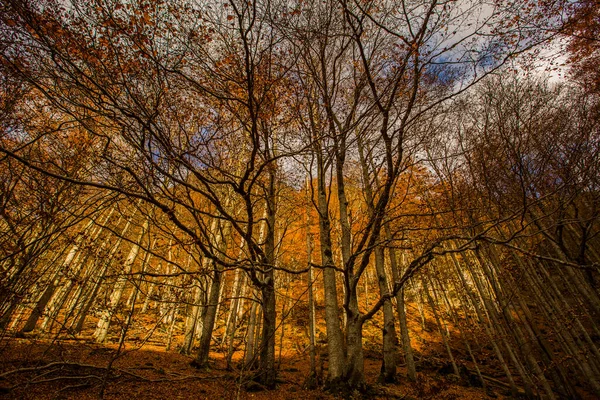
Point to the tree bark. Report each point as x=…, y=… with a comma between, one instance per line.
x=411, y=370
x=388, y=367
x=105, y=319
x=335, y=346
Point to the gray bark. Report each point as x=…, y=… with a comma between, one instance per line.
x=105, y=319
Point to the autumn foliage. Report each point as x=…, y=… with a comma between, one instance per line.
x=351, y=197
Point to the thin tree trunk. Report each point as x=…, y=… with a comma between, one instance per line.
x=173, y=320
x=486, y=323
x=249, y=357
x=441, y=327
x=105, y=319
x=191, y=322
x=221, y=234
x=456, y=321
x=201, y=360
x=388, y=367
x=232, y=320
x=55, y=283
x=411, y=370
x=335, y=344
x=192, y=315
x=312, y=381
x=498, y=327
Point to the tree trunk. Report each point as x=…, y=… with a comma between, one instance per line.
x=211, y=307
x=191, y=321
x=201, y=360
x=266, y=372
x=312, y=380
x=441, y=327
x=486, y=322
x=105, y=319
x=40, y=306
x=335, y=344
x=388, y=367
x=354, y=377
x=232, y=320
x=250, y=355
x=411, y=370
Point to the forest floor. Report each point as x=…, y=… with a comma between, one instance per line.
x=76, y=369
x=60, y=366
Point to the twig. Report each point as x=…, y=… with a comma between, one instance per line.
x=50, y=365
x=182, y=378
x=57, y=378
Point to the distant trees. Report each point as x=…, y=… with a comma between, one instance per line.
x=522, y=161
x=533, y=150
x=37, y=215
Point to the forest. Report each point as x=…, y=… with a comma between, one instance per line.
x=300, y=199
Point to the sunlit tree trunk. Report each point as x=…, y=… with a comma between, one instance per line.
x=388, y=368
x=232, y=319
x=193, y=313
x=80, y=267
x=250, y=353
x=42, y=301
x=411, y=371
x=191, y=322
x=335, y=344
x=38, y=311
x=441, y=327
x=210, y=310
x=209, y=320
x=312, y=380
x=105, y=319
x=483, y=319
x=172, y=318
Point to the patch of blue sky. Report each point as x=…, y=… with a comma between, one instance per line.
x=478, y=36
